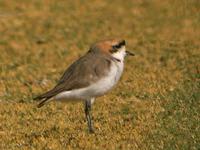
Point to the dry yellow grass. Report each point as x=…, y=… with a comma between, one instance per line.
x=155, y=105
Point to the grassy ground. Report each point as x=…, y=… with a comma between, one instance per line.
x=156, y=105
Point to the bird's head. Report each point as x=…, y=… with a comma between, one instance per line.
x=114, y=47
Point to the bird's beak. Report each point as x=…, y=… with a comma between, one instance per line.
x=129, y=53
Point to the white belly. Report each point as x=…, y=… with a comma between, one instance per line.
x=97, y=89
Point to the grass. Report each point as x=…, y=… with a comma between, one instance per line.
x=154, y=106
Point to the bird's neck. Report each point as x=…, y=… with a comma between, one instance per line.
x=119, y=56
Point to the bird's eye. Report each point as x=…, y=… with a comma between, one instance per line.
x=115, y=48
x=118, y=46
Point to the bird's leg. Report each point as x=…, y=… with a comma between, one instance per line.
x=88, y=106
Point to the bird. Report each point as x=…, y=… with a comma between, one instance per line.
x=91, y=76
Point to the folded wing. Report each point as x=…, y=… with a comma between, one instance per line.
x=80, y=74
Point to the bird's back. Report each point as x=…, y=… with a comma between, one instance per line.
x=82, y=73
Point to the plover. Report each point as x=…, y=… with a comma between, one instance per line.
x=91, y=76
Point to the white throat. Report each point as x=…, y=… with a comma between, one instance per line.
x=120, y=54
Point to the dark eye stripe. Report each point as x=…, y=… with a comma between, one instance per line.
x=113, y=50
x=117, y=46
x=122, y=43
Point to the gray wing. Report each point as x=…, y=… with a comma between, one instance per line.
x=80, y=74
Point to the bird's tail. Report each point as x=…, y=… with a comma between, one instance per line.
x=47, y=97
x=43, y=102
